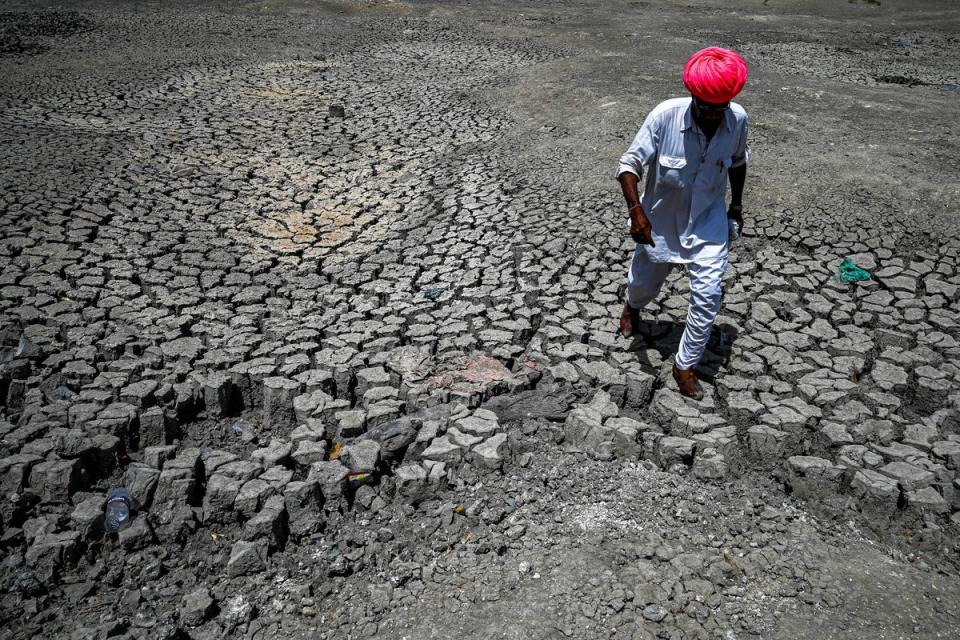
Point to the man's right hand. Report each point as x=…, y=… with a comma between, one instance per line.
x=640, y=229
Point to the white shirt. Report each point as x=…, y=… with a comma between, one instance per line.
x=685, y=192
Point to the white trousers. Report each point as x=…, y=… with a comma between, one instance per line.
x=643, y=284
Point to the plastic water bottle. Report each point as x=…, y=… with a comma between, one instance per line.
x=734, y=229
x=118, y=509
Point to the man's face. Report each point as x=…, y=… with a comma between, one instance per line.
x=708, y=112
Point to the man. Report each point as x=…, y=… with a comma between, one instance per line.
x=690, y=146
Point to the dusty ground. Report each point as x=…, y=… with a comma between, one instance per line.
x=250, y=248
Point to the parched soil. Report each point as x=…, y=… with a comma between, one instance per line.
x=331, y=290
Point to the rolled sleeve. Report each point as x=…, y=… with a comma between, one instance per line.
x=642, y=149
x=742, y=155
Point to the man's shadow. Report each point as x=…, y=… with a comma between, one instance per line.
x=664, y=338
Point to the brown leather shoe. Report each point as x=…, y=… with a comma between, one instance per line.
x=629, y=319
x=688, y=383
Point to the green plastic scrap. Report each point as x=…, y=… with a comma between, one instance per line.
x=850, y=272
x=432, y=293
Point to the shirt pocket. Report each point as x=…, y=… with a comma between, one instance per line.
x=723, y=167
x=672, y=170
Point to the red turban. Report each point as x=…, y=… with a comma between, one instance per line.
x=715, y=75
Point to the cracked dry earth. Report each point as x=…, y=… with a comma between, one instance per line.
x=332, y=289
